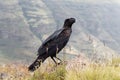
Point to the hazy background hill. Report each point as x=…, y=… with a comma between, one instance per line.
x=24, y=24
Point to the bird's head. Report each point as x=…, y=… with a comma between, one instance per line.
x=68, y=22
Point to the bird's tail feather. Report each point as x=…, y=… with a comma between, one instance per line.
x=36, y=64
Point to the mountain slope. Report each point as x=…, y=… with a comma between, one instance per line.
x=24, y=24
x=99, y=19
x=16, y=39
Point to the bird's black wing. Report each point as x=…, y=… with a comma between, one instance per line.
x=43, y=47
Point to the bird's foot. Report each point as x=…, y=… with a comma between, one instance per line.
x=59, y=63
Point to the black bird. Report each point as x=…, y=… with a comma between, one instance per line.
x=53, y=44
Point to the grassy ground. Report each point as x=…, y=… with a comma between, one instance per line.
x=95, y=71
x=54, y=73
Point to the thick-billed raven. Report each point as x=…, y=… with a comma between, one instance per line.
x=53, y=44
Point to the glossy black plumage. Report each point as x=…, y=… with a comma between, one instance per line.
x=53, y=44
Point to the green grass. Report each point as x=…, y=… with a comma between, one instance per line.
x=55, y=73
x=94, y=73
x=91, y=72
x=116, y=61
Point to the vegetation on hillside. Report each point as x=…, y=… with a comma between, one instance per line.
x=93, y=71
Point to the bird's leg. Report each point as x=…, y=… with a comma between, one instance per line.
x=54, y=60
x=59, y=60
x=57, y=57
